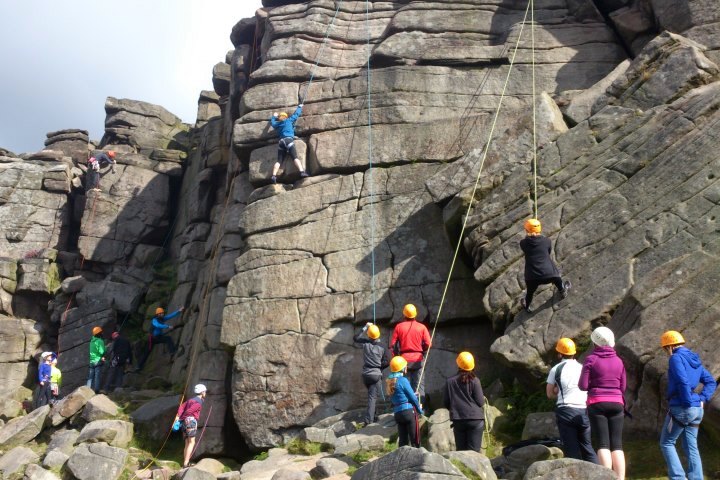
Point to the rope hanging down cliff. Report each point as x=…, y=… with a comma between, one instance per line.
x=371, y=203
x=530, y=7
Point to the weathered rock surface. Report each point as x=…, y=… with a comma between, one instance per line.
x=15, y=460
x=19, y=339
x=540, y=425
x=23, y=429
x=70, y=405
x=407, y=463
x=568, y=469
x=476, y=462
x=116, y=433
x=97, y=461
x=36, y=472
x=99, y=407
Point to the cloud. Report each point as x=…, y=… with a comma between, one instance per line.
x=62, y=59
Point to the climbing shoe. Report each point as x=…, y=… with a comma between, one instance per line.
x=525, y=306
x=304, y=174
x=273, y=179
x=566, y=289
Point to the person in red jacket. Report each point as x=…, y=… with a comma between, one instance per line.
x=411, y=340
x=189, y=415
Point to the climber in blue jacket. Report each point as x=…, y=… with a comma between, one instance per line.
x=687, y=405
x=285, y=128
x=158, y=334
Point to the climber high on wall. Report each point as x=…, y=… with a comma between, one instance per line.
x=539, y=267
x=285, y=128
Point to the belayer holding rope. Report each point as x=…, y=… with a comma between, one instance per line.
x=375, y=359
x=285, y=128
x=465, y=400
x=406, y=407
x=411, y=340
x=187, y=419
x=539, y=267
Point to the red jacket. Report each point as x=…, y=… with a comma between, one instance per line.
x=410, y=339
x=191, y=408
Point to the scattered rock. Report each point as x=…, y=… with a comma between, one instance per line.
x=287, y=474
x=99, y=407
x=441, y=438
x=329, y=466
x=116, y=433
x=153, y=417
x=194, y=473
x=14, y=460
x=318, y=435
x=210, y=465
x=23, y=429
x=10, y=408
x=408, y=462
x=55, y=459
x=358, y=443
x=36, y=472
x=70, y=405
x=73, y=284
x=63, y=440
x=539, y=426
x=521, y=459
x=96, y=461
x=568, y=469
x=477, y=462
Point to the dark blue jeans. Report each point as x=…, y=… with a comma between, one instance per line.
x=94, y=373
x=574, y=427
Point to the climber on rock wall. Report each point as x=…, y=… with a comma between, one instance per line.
x=158, y=333
x=375, y=359
x=285, y=128
x=406, y=406
x=686, y=406
x=571, y=408
x=94, y=165
x=411, y=340
x=97, y=359
x=121, y=357
x=539, y=267
x=188, y=416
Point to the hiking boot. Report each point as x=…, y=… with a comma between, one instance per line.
x=564, y=293
x=304, y=174
x=273, y=179
x=524, y=306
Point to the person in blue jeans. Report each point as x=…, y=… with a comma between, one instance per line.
x=406, y=406
x=685, y=372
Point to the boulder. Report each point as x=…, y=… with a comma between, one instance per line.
x=540, y=425
x=521, y=459
x=36, y=472
x=408, y=462
x=356, y=442
x=70, y=405
x=476, y=462
x=153, y=417
x=96, y=461
x=287, y=474
x=234, y=475
x=568, y=469
x=99, y=407
x=210, y=465
x=14, y=461
x=23, y=429
x=73, y=284
x=55, y=459
x=10, y=408
x=318, y=435
x=193, y=473
x=116, y=433
x=329, y=466
x=440, y=437
x=63, y=441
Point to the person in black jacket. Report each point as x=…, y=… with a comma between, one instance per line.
x=539, y=267
x=375, y=359
x=465, y=400
x=121, y=357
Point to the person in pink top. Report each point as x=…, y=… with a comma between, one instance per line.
x=603, y=377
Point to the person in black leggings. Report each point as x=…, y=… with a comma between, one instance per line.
x=539, y=267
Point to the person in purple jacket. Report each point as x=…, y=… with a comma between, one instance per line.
x=685, y=373
x=603, y=377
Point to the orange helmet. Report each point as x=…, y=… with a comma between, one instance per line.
x=159, y=311
x=409, y=311
x=532, y=225
x=398, y=364
x=111, y=154
x=96, y=330
x=373, y=332
x=671, y=338
x=565, y=346
x=465, y=361
x=283, y=115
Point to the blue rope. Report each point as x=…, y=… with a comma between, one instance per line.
x=370, y=164
x=322, y=47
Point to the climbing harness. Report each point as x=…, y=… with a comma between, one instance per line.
x=475, y=187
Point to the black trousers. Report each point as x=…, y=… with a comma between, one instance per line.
x=606, y=420
x=44, y=395
x=533, y=284
x=574, y=427
x=374, y=384
x=115, y=377
x=468, y=434
x=407, y=428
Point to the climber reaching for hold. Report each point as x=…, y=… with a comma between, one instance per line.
x=539, y=267
x=158, y=334
x=95, y=164
x=375, y=359
x=285, y=128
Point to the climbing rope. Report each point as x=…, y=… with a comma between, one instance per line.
x=474, y=190
x=320, y=51
x=534, y=105
x=371, y=204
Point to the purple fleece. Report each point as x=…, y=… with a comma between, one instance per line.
x=603, y=376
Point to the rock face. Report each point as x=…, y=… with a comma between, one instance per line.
x=96, y=461
x=407, y=463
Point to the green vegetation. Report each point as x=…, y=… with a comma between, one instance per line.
x=303, y=447
x=365, y=455
x=172, y=451
x=261, y=456
x=519, y=405
x=645, y=462
x=465, y=470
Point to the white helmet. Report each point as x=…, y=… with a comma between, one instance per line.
x=603, y=337
x=44, y=355
x=200, y=388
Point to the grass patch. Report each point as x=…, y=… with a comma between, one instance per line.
x=351, y=470
x=172, y=451
x=261, y=456
x=645, y=462
x=465, y=470
x=364, y=455
x=303, y=447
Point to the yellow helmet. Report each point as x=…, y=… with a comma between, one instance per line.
x=409, y=311
x=283, y=115
x=565, y=346
x=532, y=225
x=671, y=338
x=373, y=332
x=398, y=364
x=465, y=361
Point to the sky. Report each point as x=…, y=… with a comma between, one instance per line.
x=60, y=60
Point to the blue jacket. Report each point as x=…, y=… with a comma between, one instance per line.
x=685, y=372
x=44, y=371
x=158, y=324
x=286, y=128
x=404, y=398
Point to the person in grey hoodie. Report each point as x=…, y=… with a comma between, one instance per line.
x=686, y=410
x=376, y=358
